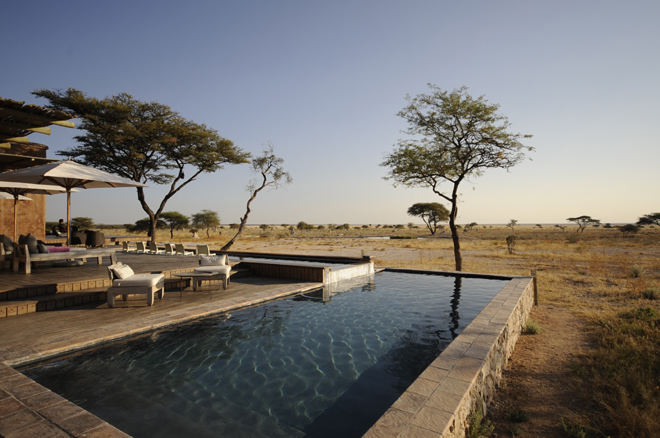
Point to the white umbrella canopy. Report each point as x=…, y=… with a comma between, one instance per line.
x=68, y=175
x=4, y=195
x=16, y=190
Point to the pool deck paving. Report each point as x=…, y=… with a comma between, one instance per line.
x=28, y=409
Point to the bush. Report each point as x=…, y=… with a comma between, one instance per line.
x=511, y=243
x=479, y=428
x=532, y=328
x=403, y=237
x=636, y=271
x=517, y=415
x=650, y=294
x=572, y=238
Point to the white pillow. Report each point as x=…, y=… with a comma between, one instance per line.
x=213, y=260
x=123, y=271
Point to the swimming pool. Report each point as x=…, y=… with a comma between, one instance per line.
x=321, y=364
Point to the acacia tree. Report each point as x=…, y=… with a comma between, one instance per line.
x=144, y=142
x=175, y=221
x=649, y=219
x=583, y=222
x=455, y=137
x=82, y=222
x=431, y=213
x=206, y=219
x=271, y=174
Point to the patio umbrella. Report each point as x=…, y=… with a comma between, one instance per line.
x=15, y=190
x=4, y=195
x=68, y=175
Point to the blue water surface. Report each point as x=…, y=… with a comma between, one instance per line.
x=324, y=364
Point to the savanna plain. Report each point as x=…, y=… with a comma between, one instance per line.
x=588, y=362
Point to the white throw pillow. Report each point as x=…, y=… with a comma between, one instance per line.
x=213, y=260
x=123, y=271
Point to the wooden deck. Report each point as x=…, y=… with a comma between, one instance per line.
x=28, y=409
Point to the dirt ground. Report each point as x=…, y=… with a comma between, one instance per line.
x=540, y=378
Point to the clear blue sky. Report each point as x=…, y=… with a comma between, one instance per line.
x=323, y=81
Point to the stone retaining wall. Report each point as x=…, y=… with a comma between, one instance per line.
x=465, y=375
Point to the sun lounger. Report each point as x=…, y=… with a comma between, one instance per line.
x=180, y=250
x=216, y=265
x=203, y=250
x=125, y=283
x=126, y=247
x=22, y=255
x=153, y=249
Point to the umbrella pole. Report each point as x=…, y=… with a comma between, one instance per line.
x=16, y=219
x=68, y=218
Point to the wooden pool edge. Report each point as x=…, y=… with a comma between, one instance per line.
x=464, y=377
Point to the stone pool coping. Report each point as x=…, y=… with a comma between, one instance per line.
x=465, y=375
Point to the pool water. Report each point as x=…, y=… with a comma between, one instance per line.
x=323, y=364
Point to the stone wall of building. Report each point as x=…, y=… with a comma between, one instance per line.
x=31, y=214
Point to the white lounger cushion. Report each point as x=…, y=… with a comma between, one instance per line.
x=226, y=269
x=213, y=260
x=139, y=280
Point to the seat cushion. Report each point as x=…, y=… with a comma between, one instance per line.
x=7, y=243
x=30, y=241
x=139, y=280
x=68, y=263
x=213, y=260
x=225, y=269
x=123, y=271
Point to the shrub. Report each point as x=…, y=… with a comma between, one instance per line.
x=572, y=238
x=532, y=328
x=517, y=415
x=636, y=271
x=511, y=243
x=403, y=237
x=479, y=428
x=650, y=293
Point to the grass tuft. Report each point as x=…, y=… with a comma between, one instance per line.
x=651, y=293
x=636, y=271
x=479, y=427
x=577, y=430
x=532, y=328
x=517, y=415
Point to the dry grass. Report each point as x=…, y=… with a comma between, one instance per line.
x=601, y=275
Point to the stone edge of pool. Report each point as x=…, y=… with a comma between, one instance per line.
x=440, y=402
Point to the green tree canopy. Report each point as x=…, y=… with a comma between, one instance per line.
x=453, y=137
x=649, y=219
x=82, y=222
x=432, y=213
x=629, y=229
x=583, y=222
x=142, y=141
x=206, y=219
x=175, y=221
x=143, y=226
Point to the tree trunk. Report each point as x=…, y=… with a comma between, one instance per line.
x=243, y=221
x=454, y=231
x=152, y=220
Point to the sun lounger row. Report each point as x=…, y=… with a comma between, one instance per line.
x=170, y=249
